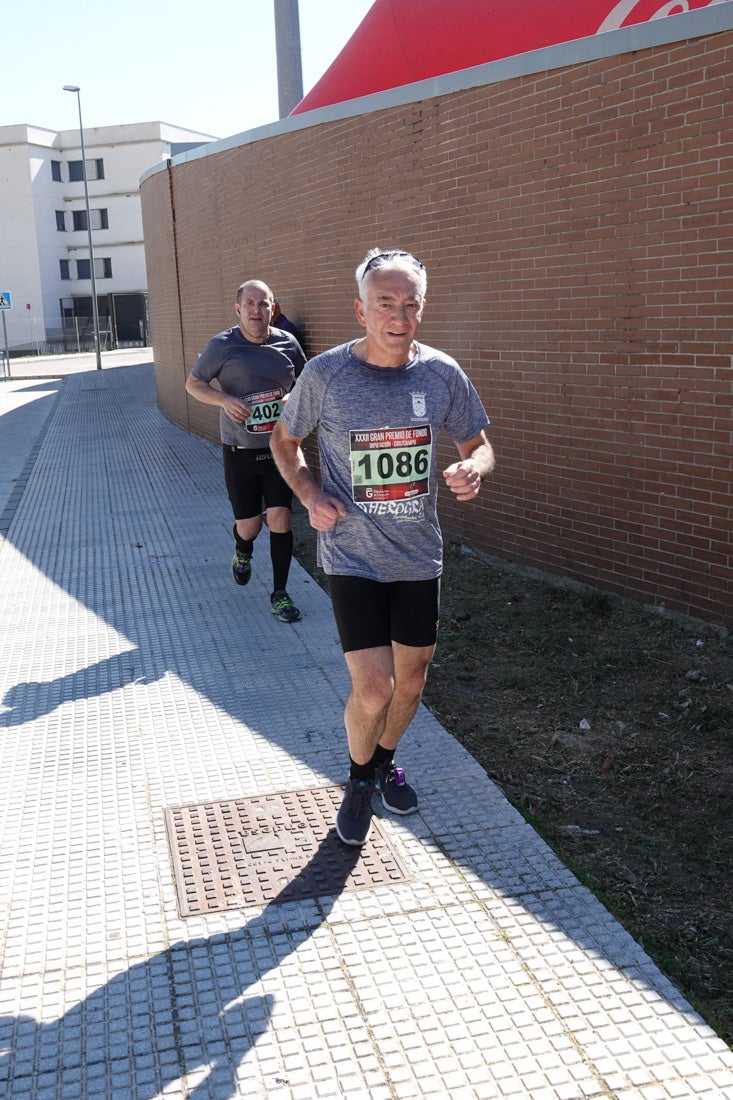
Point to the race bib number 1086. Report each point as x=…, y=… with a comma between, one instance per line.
x=390, y=463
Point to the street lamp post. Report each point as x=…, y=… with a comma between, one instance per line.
x=95, y=307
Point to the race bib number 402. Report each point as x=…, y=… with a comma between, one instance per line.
x=390, y=463
x=266, y=410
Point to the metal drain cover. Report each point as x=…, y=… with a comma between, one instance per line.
x=270, y=849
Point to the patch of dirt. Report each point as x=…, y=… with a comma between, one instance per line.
x=611, y=729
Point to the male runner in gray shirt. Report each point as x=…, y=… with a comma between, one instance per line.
x=379, y=404
x=255, y=367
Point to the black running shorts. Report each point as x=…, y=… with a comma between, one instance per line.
x=253, y=481
x=370, y=614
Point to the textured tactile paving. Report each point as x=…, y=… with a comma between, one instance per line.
x=270, y=849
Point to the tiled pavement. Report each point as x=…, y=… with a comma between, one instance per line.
x=135, y=676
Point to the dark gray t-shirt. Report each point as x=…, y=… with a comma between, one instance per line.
x=260, y=374
x=378, y=431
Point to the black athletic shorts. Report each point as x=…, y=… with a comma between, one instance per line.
x=370, y=614
x=253, y=480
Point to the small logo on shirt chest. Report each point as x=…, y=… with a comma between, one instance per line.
x=419, y=407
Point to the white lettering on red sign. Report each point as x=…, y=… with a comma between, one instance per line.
x=638, y=8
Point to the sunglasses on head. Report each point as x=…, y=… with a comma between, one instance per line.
x=383, y=257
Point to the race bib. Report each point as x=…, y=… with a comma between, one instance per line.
x=390, y=463
x=266, y=409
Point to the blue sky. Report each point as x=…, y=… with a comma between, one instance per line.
x=208, y=66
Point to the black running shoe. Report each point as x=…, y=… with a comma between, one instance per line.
x=354, y=819
x=397, y=794
x=241, y=568
x=282, y=606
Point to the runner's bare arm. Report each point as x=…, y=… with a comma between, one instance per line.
x=237, y=411
x=323, y=510
x=477, y=461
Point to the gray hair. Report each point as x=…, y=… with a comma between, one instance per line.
x=387, y=259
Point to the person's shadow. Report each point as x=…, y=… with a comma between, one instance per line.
x=31, y=699
x=182, y=1012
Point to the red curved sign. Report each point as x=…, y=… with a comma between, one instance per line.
x=401, y=41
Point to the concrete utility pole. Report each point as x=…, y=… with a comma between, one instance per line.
x=289, y=67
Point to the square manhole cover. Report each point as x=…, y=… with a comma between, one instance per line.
x=270, y=849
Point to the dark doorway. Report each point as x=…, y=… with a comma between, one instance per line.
x=130, y=320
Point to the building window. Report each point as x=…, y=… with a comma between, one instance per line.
x=102, y=269
x=64, y=266
x=99, y=219
x=61, y=221
x=95, y=170
x=56, y=170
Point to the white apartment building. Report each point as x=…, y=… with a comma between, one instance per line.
x=44, y=244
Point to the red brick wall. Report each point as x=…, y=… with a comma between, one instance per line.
x=576, y=228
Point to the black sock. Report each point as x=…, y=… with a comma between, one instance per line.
x=382, y=756
x=361, y=771
x=281, y=554
x=244, y=546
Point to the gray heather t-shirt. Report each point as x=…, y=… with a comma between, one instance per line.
x=260, y=374
x=377, y=438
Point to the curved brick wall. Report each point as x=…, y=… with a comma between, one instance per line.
x=576, y=227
